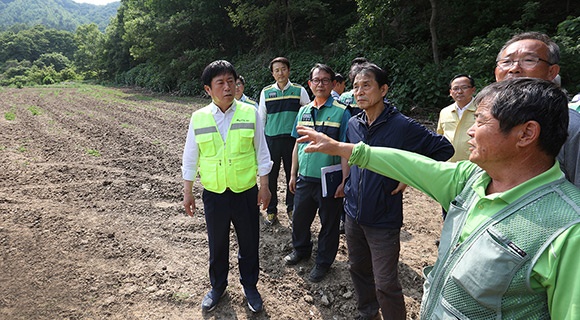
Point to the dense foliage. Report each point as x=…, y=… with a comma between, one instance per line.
x=59, y=14
x=165, y=44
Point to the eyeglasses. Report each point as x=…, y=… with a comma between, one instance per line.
x=239, y=84
x=462, y=88
x=324, y=81
x=526, y=62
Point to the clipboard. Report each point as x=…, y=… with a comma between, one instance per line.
x=331, y=178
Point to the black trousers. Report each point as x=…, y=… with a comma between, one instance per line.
x=281, y=153
x=307, y=201
x=241, y=210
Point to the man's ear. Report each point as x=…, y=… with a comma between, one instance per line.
x=207, y=89
x=384, y=89
x=528, y=133
x=553, y=71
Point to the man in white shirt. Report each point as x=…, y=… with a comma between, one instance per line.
x=226, y=145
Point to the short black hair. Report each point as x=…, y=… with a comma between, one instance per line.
x=462, y=75
x=281, y=60
x=324, y=68
x=217, y=68
x=516, y=101
x=339, y=78
x=241, y=78
x=381, y=76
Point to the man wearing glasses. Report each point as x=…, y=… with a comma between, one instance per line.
x=240, y=96
x=535, y=55
x=457, y=118
x=326, y=115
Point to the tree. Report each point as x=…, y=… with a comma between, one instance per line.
x=291, y=24
x=55, y=60
x=89, y=49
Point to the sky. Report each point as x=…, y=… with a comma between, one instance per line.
x=97, y=2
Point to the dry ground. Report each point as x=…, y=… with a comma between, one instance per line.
x=92, y=227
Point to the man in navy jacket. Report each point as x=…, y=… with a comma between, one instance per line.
x=374, y=203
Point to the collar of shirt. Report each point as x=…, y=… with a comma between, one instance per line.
x=461, y=110
x=288, y=84
x=223, y=119
x=326, y=103
x=511, y=195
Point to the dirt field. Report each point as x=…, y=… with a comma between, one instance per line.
x=92, y=227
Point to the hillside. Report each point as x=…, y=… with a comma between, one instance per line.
x=58, y=14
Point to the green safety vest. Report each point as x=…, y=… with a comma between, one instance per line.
x=281, y=108
x=487, y=276
x=232, y=164
x=328, y=120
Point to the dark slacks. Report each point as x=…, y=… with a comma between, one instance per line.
x=281, y=153
x=307, y=200
x=241, y=210
x=373, y=256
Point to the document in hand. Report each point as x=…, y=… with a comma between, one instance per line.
x=331, y=178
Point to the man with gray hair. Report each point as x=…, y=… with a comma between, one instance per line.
x=534, y=54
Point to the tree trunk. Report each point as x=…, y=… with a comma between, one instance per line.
x=433, y=29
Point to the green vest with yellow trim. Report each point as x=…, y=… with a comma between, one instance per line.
x=232, y=164
x=328, y=120
x=281, y=108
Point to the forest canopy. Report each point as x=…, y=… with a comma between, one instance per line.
x=164, y=45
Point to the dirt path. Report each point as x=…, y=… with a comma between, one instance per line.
x=91, y=223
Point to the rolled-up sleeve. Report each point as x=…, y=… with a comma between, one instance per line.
x=262, y=152
x=190, y=155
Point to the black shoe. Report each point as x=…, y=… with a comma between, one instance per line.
x=211, y=299
x=318, y=273
x=294, y=258
x=255, y=302
x=375, y=317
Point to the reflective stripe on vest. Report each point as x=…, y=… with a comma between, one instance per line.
x=231, y=164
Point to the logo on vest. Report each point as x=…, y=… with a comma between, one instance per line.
x=307, y=117
x=272, y=95
x=242, y=120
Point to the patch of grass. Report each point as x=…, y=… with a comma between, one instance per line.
x=10, y=115
x=21, y=149
x=180, y=296
x=93, y=152
x=35, y=110
x=126, y=126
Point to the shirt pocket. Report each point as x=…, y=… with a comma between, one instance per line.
x=487, y=268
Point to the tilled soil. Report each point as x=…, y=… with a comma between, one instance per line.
x=92, y=226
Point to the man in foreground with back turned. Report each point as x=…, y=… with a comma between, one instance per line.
x=509, y=246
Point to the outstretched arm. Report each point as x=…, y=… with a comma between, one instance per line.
x=319, y=142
